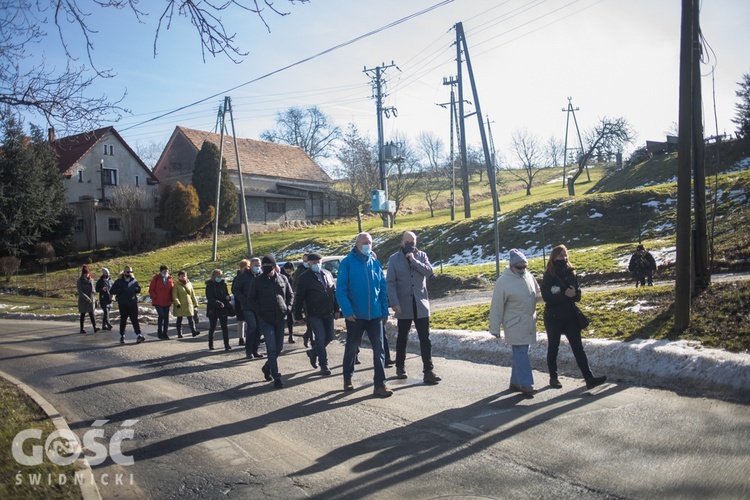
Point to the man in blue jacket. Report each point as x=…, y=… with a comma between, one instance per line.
x=362, y=296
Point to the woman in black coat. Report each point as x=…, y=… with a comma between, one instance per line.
x=126, y=290
x=217, y=300
x=560, y=293
x=103, y=287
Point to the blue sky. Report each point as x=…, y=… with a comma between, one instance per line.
x=613, y=57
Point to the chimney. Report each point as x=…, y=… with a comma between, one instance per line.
x=51, y=134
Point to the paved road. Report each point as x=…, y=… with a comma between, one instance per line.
x=209, y=427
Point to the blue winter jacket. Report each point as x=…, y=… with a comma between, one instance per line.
x=361, y=288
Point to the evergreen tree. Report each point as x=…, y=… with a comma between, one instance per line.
x=179, y=210
x=32, y=193
x=742, y=118
x=204, y=180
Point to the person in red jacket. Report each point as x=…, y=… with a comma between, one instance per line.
x=160, y=291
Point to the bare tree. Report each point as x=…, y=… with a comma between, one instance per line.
x=403, y=174
x=434, y=168
x=358, y=165
x=308, y=128
x=609, y=136
x=529, y=155
x=136, y=212
x=149, y=152
x=63, y=96
x=555, y=151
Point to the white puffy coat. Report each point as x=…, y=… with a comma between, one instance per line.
x=514, y=307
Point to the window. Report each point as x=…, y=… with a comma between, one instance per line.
x=114, y=224
x=109, y=176
x=277, y=207
x=137, y=181
x=105, y=150
x=78, y=227
x=80, y=176
x=111, y=151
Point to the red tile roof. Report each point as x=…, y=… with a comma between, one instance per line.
x=268, y=159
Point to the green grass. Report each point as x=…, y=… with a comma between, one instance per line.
x=20, y=413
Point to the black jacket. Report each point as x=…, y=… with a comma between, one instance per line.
x=240, y=287
x=318, y=298
x=642, y=263
x=270, y=297
x=216, y=293
x=559, y=307
x=126, y=292
x=105, y=298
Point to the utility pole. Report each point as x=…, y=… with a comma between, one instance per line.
x=221, y=117
x=485, y=146
x=377, y=85
x=493, y=160
x=571, y=111
x=452, y=82
x=461, y=125
x=243, y=202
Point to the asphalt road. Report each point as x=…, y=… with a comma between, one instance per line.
x=208, y=426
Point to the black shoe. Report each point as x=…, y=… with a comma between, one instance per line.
x=401, y=373
x=357, y=361
x=266, y=372
x=227, y=347
x=325, y=371
x=596, y=381
x=292, y=341
x=277, y=384
x=179, y=334
x=122, y=339
x=140, y=339
x=242, y=342
x=96, y=329
x=196, y=333
x=430, y=378
x=555, y=383
x=82, y=331
x=313, y=358
x=165, y=337
x=258, y=355
x=389, y=363
x=306, y=343
x=210, y=347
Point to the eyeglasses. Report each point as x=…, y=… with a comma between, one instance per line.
x=520, y=268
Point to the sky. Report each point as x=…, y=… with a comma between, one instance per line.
x=611, y=57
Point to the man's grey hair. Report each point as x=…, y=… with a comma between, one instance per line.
x=362, y=235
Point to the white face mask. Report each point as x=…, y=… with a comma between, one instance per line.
x=256, y=269
x=366, y=250
x=315, y=268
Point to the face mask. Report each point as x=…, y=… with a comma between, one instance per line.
x=520, y=275
x=164, y=275
x=217, y=279
x=306, y=265
x=315, y=268
x=408, y=247
x=366, y=250
x=256, y=269
x=561, y=264
x=267, y=269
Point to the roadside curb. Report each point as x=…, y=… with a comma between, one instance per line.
x=89, y=489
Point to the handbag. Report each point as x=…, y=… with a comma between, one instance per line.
x=581, y=318
x=229, y=309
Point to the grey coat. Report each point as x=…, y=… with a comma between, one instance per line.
x=85, y=288
x=407, y=283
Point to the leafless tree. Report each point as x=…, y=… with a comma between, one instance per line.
x=64, y=96
x=607, y=137
x=149, y=152
x=529, y=157
x=555, y=151
x=358, y=165
x=403, y=174
x=136, y=212
x=435, y=169
x=308, y=128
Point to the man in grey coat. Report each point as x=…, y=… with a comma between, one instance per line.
x=408, y=270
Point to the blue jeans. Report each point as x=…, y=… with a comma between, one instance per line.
x=274, y=333
x=322, y=336
x=520, y=372
x=354, y=331
x=252, y=337
x=163, y=322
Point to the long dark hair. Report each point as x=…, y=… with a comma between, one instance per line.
x=553, y=256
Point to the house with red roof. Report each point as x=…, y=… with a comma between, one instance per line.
x=283, y=185
x=99, y=167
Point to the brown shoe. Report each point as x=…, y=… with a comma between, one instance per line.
x=430, y=378
x=348, y=386
x=382, y=391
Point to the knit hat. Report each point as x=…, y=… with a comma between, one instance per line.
x=314, y=256
x=105, y=271
x=516, y=258
x=268, y=259
x=85, y=270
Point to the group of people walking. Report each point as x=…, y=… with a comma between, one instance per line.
x=267, y=299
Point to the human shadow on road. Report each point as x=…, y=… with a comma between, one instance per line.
x=422, y=447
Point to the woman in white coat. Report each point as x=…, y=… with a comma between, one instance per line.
x=514, y=307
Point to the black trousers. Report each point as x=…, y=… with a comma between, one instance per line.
x=91, y=315
x=129, y=312
x=572, y=331
x=212, y=328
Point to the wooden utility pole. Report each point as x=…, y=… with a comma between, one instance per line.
x=243, y=202
x=461, y=125
x=683, y=267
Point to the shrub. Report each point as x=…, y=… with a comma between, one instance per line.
x=9, y=265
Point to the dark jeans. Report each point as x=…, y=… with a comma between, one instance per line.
x=354, y=331
x=212, y=328
x=105, y=316
x=573, y=333
x=274, y=334
x=322, y=336
x=252, y=337
x=162, y=323
x=129, y=312
x=191, y=322
x=290, y=323
x=425, y=346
